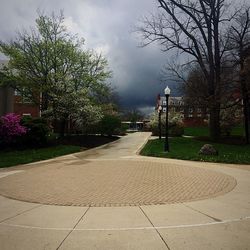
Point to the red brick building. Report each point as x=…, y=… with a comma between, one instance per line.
x=22, y=106
x=11, y=101
x=191, y=115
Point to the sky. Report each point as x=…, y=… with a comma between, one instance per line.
x=107, y=27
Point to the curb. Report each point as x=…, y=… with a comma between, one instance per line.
x=137, y=152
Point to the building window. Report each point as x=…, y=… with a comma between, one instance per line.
x=22, y=96
x=26, y=99
x=18, y=93
x=173, y=109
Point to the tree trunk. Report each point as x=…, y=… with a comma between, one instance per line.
x=214, y=124
x=44, y=102
x=159, y=124
x=62, y=127
x=248, y=122
x=246, y=110
x=245, y=99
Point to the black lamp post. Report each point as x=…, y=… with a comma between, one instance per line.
x=167, y=93
x=159, y=120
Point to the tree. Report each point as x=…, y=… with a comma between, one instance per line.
x=195, y=93
x=110, y=125
x=193, y=27
x=195, y=88
x=133, y=115
x=50, y=66
x=175, y=124
x=35, y=57
x=239, y=37
x=245, y=88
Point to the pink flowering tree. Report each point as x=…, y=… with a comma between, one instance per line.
x=10, y=128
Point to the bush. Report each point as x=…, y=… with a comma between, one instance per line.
x=37, y=131
x=10, y=129
x=110, y=125
x=124, y=127
x=176, y=130
x=229, y=119
x=175, y=125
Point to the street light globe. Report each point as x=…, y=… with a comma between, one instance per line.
x=167, y=91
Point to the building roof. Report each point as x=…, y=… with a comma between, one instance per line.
x=173, y=100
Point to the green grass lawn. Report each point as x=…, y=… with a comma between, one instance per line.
x=13, y=158
x=203, y=131
x=239, y=130
x=196, y=131
x=188, y=148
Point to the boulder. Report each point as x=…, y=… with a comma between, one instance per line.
x=208, y=149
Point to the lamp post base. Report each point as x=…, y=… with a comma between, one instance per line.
x=166, y=146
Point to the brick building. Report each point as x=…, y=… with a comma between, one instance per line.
x=12, y=101
x=192, y=115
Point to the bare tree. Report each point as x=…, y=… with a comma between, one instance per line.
x=195, y=88
x=194, y=28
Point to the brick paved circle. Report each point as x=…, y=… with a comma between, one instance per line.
x=114, y=183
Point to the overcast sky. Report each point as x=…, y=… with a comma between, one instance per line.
x=106, y=26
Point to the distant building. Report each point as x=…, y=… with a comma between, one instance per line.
x=191, y=114
x=133, y=126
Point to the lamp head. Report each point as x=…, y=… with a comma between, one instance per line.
x=167, y=91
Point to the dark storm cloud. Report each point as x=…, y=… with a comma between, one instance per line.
x=106, y=26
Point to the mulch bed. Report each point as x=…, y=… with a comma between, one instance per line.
x=85, y=141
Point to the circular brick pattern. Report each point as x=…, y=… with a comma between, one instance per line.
x=114, y=183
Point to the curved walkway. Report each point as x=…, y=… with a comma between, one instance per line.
x=114, y=176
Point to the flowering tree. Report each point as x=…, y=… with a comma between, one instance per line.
x=10, y=128
x=175, y=124
x=50, y=61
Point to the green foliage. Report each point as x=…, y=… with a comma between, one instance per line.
x=188, y=148
x=110, y=125
x=124, y=126
x=37, y=131
x=176, y=130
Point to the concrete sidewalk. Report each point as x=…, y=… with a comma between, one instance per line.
x=221, y=221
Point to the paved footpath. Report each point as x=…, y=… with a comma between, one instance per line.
x=112, y=198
